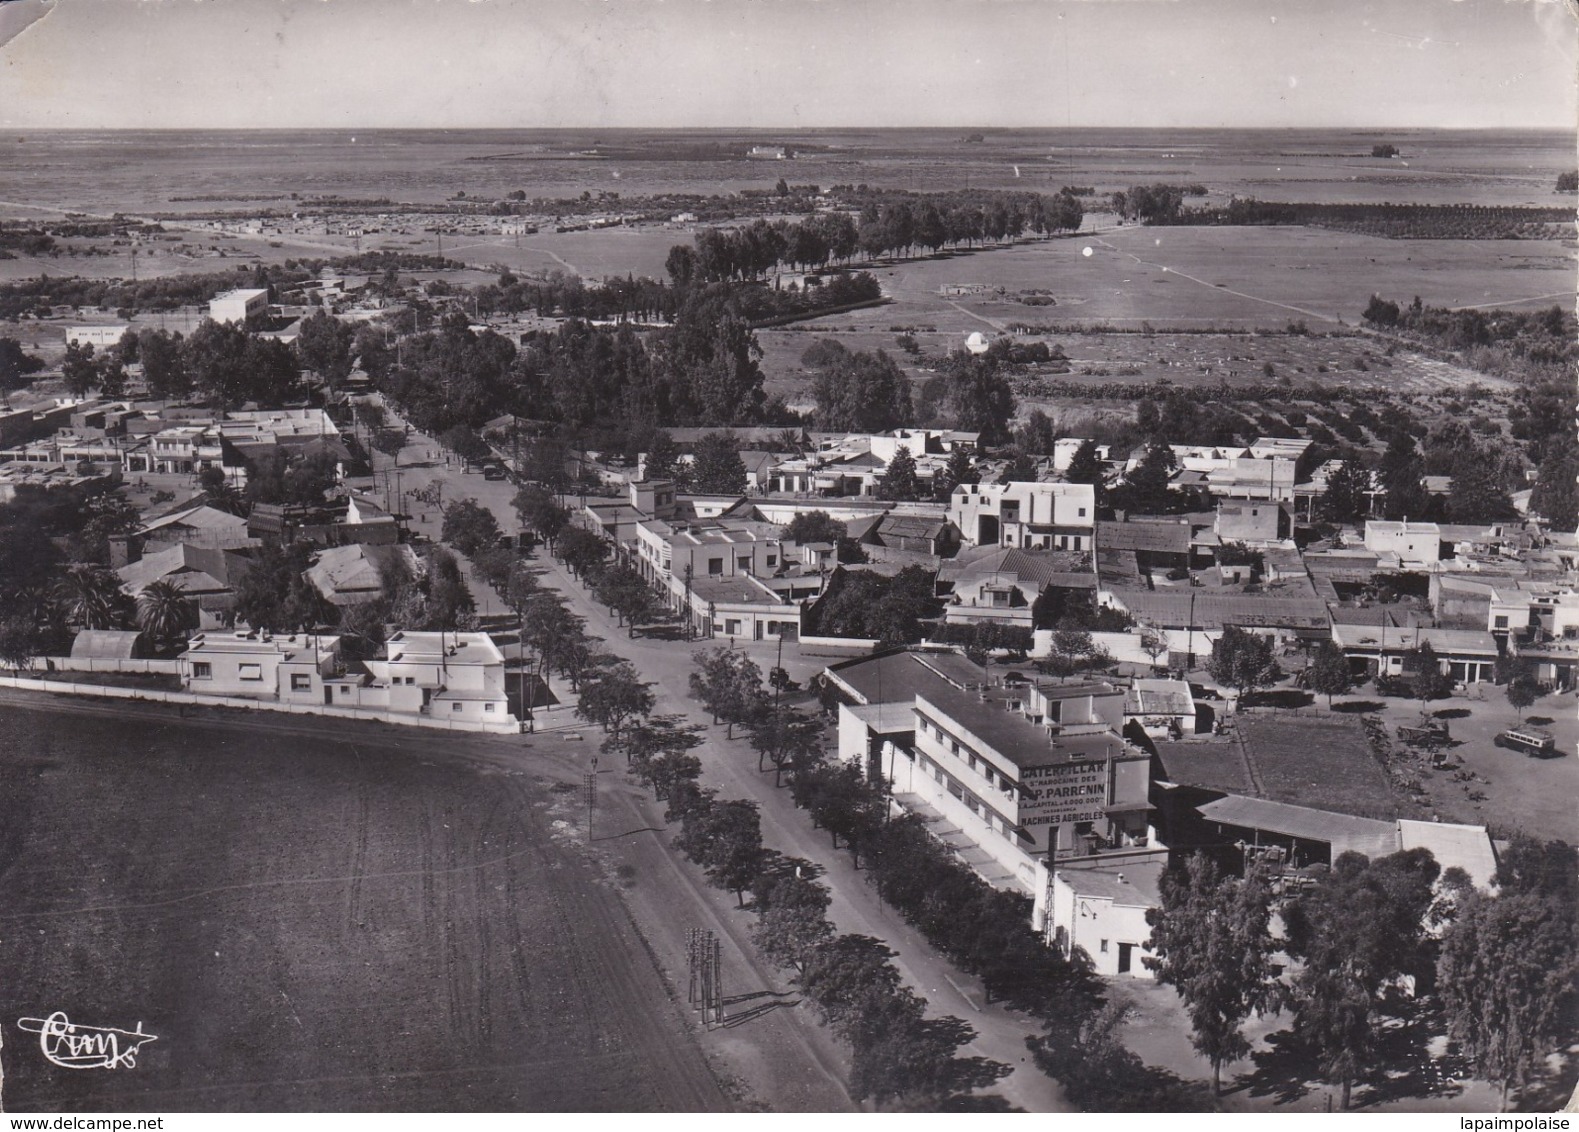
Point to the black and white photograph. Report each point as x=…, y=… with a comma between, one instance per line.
x=789, y=556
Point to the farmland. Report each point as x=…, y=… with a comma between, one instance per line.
x=317, y=919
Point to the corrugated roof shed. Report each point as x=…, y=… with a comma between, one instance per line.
x=1344, y=833
x=106, y=644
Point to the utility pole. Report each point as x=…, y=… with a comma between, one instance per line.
x=704, y=955
x=591, y=783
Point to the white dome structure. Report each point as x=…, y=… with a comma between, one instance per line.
x=976, y=342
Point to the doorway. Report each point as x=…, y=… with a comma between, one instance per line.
x=1125, y=952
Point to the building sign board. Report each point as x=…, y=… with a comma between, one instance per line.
x=1063, y=793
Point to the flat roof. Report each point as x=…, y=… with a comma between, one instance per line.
x=885, y=719
x=1182, y=607
x=1010, y=733
x=1136, y=883
x=1467, y=847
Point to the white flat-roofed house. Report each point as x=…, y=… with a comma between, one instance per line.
x=1039, y=516
x=450, y=676
x=259, y=666
x=1099, y=907
x=671, y=554
x=1417, y=545
x=239, y=306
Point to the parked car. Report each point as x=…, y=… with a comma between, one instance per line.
x=1527, y=739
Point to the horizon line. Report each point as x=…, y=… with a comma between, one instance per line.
x=1545, y=128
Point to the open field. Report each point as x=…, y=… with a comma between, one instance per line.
x=191, y=171
x=1300, y=758
x=335, y=919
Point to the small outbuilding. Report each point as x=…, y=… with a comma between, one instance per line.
x=108, y=644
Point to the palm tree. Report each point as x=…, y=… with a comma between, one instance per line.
x=165, y=613
x=90, y=594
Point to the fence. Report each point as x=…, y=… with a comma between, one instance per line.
x=835, y=646
x=113, y=664
x=507, y=726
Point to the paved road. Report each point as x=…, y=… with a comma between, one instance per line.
x=731, y=766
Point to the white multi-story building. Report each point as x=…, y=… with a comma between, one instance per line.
x=1034, y=516
x=1023, y=772
x=239, y=306
x=1417, y=545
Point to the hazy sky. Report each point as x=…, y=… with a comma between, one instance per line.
x=787, y=63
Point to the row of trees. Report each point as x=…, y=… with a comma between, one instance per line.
x=896, y=224
x=982, y=930
x=1386, y=220
x=899, y=1057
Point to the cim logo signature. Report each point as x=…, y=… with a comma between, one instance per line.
x=70, y=1046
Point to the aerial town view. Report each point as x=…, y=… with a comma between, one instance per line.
x=843, y=557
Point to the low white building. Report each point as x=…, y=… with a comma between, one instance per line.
x=1099, y=907
x=98, y=337
x=289, y=668
x=456, y=679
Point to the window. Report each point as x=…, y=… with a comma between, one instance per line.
x=715, y=565
x=732, y=628
x=773, y=560
x=1104, y=947
x=744, y=562
x=455, y=707
x=490, y=707
x=1082, y=512
x=202, y=670
x=1502, y=623
x=250, y=672
x=301, y=682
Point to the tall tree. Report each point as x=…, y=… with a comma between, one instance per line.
x=960, y=469
x=1556, y=494
x=792, y=920
x=1243, y=660
x=1086, y=467
x=1362, y=926
x=1347, y=497
x=718, y=468
x=859, y=392
x=90, y=596
x=166, y=613
x=79, y=369
x=470, y=527
x=979, y=396
x=1329, y=671
x=1506, y=976
x=323, y=344
x=899, y=481
x=614, y=696
x=727, y=842
x=1213, y=945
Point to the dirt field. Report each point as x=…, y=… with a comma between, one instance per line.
x=1316, y=761
x=320, y=918
x=1504, y=790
